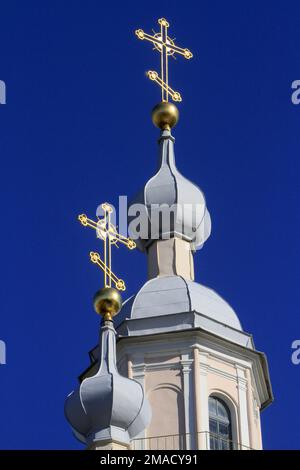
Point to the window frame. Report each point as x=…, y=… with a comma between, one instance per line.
x=218, y=440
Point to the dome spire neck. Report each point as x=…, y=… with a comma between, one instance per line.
x=108, y=364
x=166, y=150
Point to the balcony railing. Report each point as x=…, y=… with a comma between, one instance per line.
x=200, y=441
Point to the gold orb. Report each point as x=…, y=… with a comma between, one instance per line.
x=165, y=115
x=107, y=302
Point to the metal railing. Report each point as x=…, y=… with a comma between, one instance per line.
x=199, y=441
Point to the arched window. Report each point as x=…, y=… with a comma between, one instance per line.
x=220, y=437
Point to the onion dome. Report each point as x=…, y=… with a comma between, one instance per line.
x=107, y=407
x=169, y=295
x=171, y=303
x=169, y=205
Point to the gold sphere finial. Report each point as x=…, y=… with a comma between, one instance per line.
x=107, y=303
x=165, y=115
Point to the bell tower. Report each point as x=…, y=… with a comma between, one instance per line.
x=205, y=381
x=180, y=342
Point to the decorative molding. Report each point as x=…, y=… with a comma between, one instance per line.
x=138, y=368
x=197, y=396
x=255, y=409
x=138, y=373
x=243, y=406
x=242, y=382
x=186, y=363
x=235, y=361
x=204, y=416
x=223, y=374
x=234, y=411
x=196, y=404
x=169, y=385
x=217, y=348
x=165, y=366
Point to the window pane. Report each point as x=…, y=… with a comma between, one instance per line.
x=225, y=445
x=212, y=443
x=222, y=412
x=219, y=425
x=224, y=430
x=212, y=406
x=213, y=426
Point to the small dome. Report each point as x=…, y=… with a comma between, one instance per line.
x=190, y=218
x=108, y=406
x=169, y=295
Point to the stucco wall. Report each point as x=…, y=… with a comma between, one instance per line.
x=178, y=384
x=164, y=391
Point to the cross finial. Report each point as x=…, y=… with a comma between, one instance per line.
x=166, y=47
x=107, y=232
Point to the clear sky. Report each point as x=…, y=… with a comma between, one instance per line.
x=76, y=131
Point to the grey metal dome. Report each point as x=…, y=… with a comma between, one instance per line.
x=169, y=295
x=167, y=188
x=108, y=406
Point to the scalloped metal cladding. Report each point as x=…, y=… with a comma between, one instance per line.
x=169, y=205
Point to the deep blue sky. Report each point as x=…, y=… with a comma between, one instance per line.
x=76, y=131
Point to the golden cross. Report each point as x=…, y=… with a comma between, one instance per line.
x=110, y=236
x=166, y=47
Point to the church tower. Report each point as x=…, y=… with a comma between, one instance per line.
x=180, y=342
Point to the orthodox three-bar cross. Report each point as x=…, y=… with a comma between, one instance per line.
x=166, y=47
x=107, y=232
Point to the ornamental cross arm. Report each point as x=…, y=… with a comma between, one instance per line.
x=108, y=233
x=166, y=46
